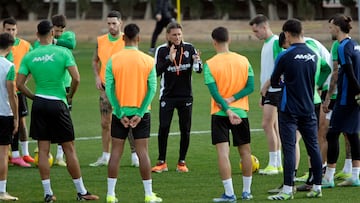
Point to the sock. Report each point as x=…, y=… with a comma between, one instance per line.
x=111, y=183
x=287, y=189
x=15, y=154
x=106, y=156
x=355, y=173
x=247, y=184
x=228, y=186
x=134, y=156
x=25, y=148
x=2, y=185
x=79, y=184
x=279, y=159
x=148, y=187
x=47, y=187
x=347, y=166
x=329, y=174
x=317, y=187
x=59, y=152
x=273, y=159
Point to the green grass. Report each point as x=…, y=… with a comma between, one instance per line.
x=201, y=184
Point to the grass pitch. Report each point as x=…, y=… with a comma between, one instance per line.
x=200, y=185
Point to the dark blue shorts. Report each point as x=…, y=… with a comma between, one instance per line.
x=345, y=119
x=272, y=98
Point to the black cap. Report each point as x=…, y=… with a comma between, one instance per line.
x=44, y=27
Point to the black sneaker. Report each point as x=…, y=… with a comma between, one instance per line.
x=87, y=196
x=49, y=198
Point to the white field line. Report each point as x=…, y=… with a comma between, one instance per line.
x=201, y=132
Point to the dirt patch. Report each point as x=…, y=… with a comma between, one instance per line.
x=199, y=30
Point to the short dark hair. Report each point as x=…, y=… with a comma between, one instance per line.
x=59, y=20
x=114, y=14
x=131, y=31
x=293, y=26
x=220, y=34
x=6, y=40
x=258, y=19
x=10, y=21
x=282, y=39
x=44, y=27
x=173, y=25
x=343, y=21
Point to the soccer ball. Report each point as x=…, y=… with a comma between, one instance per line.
x=36, y=158
x=255, y=164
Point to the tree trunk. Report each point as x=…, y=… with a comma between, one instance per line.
x=78, y=14
x=32, y=16
x=148, y=12
x=51, y=7
x=273, y=15
x=61, y=7
x=290, y=8
x=252, y=9
x=105, y=10
x=226, y=16
x=347, y=11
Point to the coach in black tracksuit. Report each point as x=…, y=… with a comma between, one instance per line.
x=174, y=64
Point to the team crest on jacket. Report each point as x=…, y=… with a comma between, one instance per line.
x=163, y=104
x=186, y=54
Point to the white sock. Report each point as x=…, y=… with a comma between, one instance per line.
x=111, y=183
x=25, y=148
x=317, y=187
x=79, y=184
x=273, y=158
x=106, y=156
x=347, y=166
x=134, y=156
x=247, y=183
x=47, y=187
x=148, y=187
x=355, y=173
x=279, y=158
x=329, y=174
x=59, y=152
x=15, y=154
x=2, y=185
x=288, y=189
x=228, y=186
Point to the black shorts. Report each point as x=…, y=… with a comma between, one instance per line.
x=6, y=129
x=23, y=105
x=50, y=120
x=220, y=126
x=272, y=98
x=142, y=130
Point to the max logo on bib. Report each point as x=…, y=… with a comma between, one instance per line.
x=44, y=58
x=305, y=57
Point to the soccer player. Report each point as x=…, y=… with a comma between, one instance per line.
x=230, y=79
x=269, y=95
x=175, y=62
x=163, y=16
x=320, y=79
x=107, y=45
x=8, y=111
x=346, y=114
x=50, y=116
x=20, y=48
x=130, y=86
x=296, y=109
x=328, y=106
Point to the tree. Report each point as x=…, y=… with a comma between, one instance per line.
x=252, y=9
x=82, y=7
x=348, y=4
x=32, y=7
x=51, y=7
x=272, y=9
x=61, y=6
x=223, y=7
x=290, y=7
